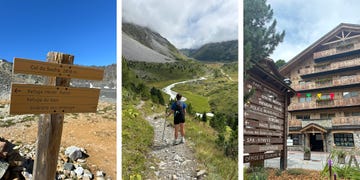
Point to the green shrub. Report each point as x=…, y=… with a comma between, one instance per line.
x=296, y=172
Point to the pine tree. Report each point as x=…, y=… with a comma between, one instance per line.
x=260, y=36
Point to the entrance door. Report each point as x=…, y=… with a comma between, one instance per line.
x=316, y=142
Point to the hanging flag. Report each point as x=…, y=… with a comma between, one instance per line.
x=308, y=94
x=332, y=96
x=319, y=95
x=298, y=94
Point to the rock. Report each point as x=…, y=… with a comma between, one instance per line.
x=3, y=168
x=174, y=177
x=99, y=174
x=79, y=171
x=87, y=173
x=200, y=173
x=26, y=175
x=75, y=153
x=67, y=173
x=81, y=160
x=185, y=162
x=70, y=150
x=100, y=178
x=157, y=173
x=61, y=177
x=152, y=167
x=86, y=178
x=69, y=166
x=178, y=158
x=72, y=174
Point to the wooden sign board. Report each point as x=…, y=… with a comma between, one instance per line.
x=37, y=99
x=262, y=132
x=262, y=124
x=261, y=156
x=262, y=140
x=262, y=148
x=26, y=66
x=261, y=117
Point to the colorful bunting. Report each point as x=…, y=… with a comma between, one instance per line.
x=298, y=94
x=319, y=95
x=332, y=96
x=308, y=94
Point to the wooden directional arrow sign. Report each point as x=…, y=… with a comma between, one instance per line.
x=36, y=99
x=26, y=66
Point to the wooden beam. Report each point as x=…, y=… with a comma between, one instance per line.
x=50, y=127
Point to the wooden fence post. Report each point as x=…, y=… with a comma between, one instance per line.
x=50, y=127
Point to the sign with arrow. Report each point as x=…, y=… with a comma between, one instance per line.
x=37, y=99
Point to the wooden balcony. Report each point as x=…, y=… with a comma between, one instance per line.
x=331, y=52
x=295, y=123
x=325, y=104
x=332, y=66
x=339, y=81
x=343, y=121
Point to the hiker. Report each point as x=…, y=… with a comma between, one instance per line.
x=178, y=108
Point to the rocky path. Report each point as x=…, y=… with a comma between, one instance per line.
x=173, y=162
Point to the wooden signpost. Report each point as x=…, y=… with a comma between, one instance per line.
x=53, y=100
x=265, y=116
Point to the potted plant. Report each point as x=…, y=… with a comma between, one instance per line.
x=307, y=153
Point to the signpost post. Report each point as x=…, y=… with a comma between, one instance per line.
x=265, y=116
x=53, y=99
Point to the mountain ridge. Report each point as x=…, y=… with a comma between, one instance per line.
x=153, y=46
x=7, y=77
x=216, y=51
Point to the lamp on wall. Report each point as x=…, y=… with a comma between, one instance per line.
x=313, y=132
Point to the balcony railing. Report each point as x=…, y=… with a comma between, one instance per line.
x=343, y=102
x=341, y=121
x=332, y=66
x=326, y=123
x=338, y=81
x=334, y=51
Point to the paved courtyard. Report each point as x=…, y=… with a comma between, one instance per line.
x=296, y=160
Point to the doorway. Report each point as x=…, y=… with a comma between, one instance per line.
x=316, y=142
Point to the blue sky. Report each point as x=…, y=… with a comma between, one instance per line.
x=307, y=21
x=83, y=28
x=186, y=23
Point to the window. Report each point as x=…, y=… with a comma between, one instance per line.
x=344, y=139
x=307, y=98
x=348, y=114
x=350, y=94
x=296, y=139
x=303, y=116
x=322, y=82
x=326, y=116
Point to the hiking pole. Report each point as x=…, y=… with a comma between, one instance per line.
x=164, y=122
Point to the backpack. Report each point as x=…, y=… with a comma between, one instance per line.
x=179, y=111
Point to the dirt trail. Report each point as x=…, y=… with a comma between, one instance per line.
x=173, y=162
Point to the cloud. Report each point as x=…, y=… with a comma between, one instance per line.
x=186, y=23
x=307, y=21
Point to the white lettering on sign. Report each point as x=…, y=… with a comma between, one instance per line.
x=266, y=104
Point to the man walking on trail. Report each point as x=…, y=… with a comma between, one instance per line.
x=178, y=108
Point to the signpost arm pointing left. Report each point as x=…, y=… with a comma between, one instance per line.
x=50, y=127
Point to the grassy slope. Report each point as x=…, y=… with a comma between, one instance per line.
x=135, y=145
x=217, y=164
